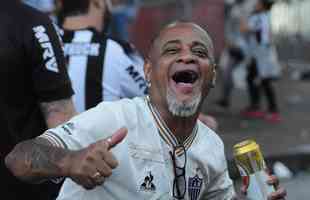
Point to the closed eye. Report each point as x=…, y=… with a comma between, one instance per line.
x=170, y=51
x=200, y=53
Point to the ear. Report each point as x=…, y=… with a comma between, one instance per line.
x=98, y=3
x=147, y=69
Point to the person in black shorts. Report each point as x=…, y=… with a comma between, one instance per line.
x=35, y=89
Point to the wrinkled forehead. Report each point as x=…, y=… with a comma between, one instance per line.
x=184, y=33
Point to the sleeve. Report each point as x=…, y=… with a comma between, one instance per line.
x=133, y=80
x=47, y=64
x=124, y=76
x=86, y=128
x=220, y=186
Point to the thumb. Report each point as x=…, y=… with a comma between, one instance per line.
x=117, y=137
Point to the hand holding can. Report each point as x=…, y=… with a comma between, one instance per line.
x=252, y=167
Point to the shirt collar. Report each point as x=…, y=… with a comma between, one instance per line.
x=166, y=134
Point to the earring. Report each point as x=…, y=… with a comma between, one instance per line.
x=213, y=83
x=149, y=84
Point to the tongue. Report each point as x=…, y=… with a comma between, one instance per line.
x=185, y=88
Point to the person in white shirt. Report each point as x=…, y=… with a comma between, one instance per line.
x=101, y=68
x=151, y=147
x=263, y=67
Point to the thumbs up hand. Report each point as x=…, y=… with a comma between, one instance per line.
x=90, y=166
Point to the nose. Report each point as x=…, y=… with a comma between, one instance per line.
x=186, y=57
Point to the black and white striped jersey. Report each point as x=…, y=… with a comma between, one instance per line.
x=101, y=68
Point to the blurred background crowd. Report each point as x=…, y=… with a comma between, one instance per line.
x=138, y=20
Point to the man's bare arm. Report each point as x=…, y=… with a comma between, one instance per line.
x=58, y=112
x=37, y=160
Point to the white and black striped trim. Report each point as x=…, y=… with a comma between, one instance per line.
x=54, y=139
x=166, y=133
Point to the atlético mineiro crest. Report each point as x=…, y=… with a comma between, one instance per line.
x=194, y=187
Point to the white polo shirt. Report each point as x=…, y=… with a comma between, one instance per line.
x=145, y=168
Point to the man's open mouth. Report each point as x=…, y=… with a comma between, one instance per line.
x=185, y=76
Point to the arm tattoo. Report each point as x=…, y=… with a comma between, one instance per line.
x=44, y=157
x=36, y=160
x=58, y=112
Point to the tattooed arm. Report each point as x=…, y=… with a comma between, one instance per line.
x=38, y=157
x=37, y=160
x=57, y=112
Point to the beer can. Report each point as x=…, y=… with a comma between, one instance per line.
x=251, y=165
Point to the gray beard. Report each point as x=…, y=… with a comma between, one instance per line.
x=182, y=109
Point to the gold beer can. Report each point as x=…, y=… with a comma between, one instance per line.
x=251, y=165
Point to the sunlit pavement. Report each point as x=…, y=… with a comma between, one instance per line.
x=275, y=139
x=298, y=187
